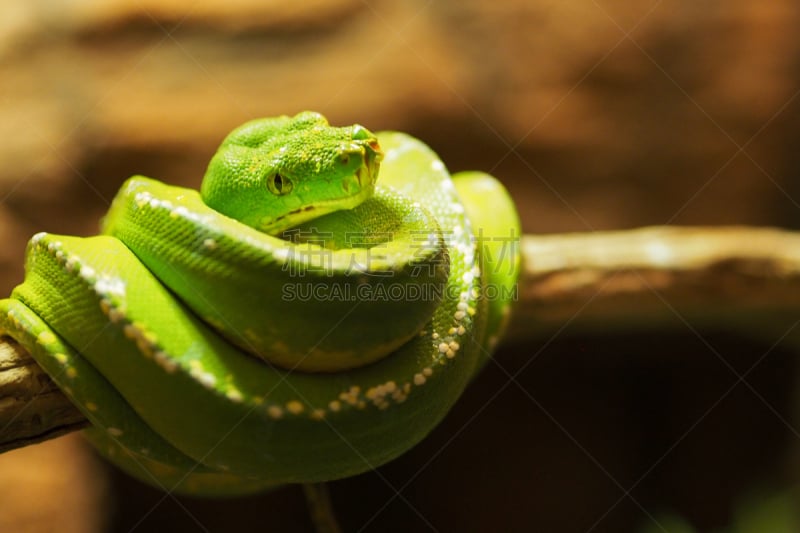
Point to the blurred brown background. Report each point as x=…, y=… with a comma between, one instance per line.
x=597, y=114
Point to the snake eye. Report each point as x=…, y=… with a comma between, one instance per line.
x=279, y=185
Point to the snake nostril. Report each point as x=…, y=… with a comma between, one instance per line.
x=375, y=146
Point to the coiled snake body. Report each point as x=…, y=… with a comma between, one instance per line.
x=296, y=323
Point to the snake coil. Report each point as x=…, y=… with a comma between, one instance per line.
x=372, y=309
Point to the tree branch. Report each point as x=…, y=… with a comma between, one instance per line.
x=743, y=279
x=32, y=408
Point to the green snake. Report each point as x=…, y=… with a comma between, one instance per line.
x=294, y=321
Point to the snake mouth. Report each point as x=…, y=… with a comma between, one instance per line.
x=357, y=188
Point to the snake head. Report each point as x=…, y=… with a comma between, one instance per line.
x=276, y=173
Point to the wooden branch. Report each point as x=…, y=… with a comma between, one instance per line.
x=742, y=279
x=32, y=409
x=746, y=280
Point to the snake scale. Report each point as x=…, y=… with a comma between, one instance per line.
x=296, y=320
